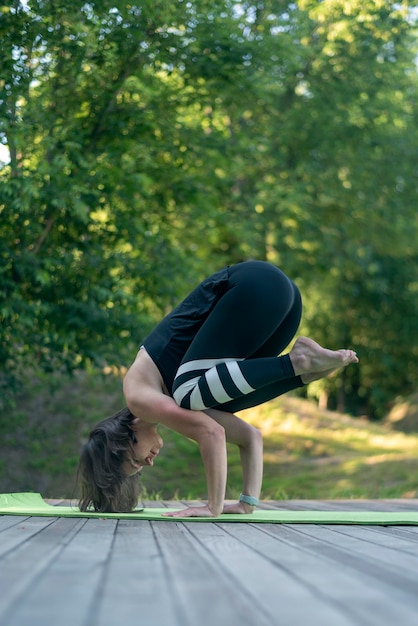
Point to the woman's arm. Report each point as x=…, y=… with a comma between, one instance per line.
x=210, y=436
x=152, y=405
x=250, y=443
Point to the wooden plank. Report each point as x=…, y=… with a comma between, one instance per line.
x=407, y=532
x=343, y=505
x=151, y=504
x=395, y=573
x=26, y=560
x=206, y=594
x=410, y=503
x=7, y=521
x=354, y=597
x=253, y=561
x=136, y=587
x=65, y=587
x=22, y=531
x=373, y=535
x=101, y=572
x=314, y=505
x=352, y=541
x=368, y=505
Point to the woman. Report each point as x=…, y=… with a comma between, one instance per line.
x=213, y=355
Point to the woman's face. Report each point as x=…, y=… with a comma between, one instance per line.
x=146, y=444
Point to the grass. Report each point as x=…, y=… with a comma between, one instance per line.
x=309, y=453
x=315, y=454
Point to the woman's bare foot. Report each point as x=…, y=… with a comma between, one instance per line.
x=309, y=378
x=311, y=361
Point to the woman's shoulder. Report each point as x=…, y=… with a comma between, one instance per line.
x=144, y=373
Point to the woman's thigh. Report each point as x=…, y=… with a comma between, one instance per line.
x=257, y=316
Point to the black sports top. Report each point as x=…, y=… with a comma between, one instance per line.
x=170, y=339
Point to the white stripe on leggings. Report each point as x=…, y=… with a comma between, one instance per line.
x=196, y=400
x=216, y=387
x=203, y=364
x=238, y=378
x=184, y=389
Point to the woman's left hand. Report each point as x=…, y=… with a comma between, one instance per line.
x=238, y=508
x=192, y=511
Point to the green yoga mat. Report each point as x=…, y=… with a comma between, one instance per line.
x=32, y=504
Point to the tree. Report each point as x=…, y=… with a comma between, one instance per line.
x=151, y=143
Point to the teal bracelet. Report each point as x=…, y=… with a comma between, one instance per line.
x=248, y=500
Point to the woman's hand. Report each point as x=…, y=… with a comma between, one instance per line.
x=192, y=511
x=238, y=508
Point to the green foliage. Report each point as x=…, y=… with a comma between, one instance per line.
x=151, y=143
x=51, y=420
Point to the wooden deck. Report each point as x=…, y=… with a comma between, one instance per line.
x=94, y=572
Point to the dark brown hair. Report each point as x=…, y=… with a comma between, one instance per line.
x=104, y=486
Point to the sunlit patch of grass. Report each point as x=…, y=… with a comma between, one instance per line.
x=320, y=454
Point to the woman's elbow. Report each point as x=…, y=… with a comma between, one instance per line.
x=254, y=437
x=214, y=432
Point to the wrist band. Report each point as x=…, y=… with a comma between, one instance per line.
x=248, y=500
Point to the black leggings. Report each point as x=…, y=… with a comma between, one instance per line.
x=232, y=362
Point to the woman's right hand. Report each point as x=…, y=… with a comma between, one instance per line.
x=238, y=508
x=192, y=511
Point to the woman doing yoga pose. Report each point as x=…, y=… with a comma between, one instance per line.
x=213, y=355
